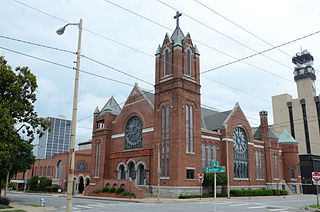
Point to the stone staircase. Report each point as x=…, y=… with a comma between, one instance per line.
x=147, y=191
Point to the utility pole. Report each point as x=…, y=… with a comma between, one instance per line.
x=228, y=170
x=74, y=118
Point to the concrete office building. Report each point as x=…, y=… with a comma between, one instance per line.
x=55, y=141
x=301, y=117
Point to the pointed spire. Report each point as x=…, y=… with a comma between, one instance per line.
x=96, y=111
x=196, y=50
x=158, y=50
x=177, y=42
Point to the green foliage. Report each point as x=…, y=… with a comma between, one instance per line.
x=258, y=192
x=112, y=190
x=97, y=191
x=51, y=188
x=4, y=201
x=35, y=186
x=119, y=190
x=19, y=123
x=209, y=179
x=5, y=206
x=127, y=194
x=314, y=206
x=106, y=189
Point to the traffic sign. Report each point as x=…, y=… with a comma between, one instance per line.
x=200, y=176
x=216, y=169
x=214, y=163
x=316, y=176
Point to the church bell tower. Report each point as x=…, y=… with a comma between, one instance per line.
x=177, y=109
x=304, y=74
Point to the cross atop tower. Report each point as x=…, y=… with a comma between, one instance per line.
x=178, y=14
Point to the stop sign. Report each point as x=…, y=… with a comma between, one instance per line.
x=316, y=176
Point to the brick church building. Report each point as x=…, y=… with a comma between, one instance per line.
x=166, y=138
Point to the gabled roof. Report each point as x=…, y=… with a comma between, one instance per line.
x=213, y=120
x=285, y=137
x=111, y=106
x=150, y=96
x=257, y=134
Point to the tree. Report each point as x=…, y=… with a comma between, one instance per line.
x=209, y=179
x=17, y=115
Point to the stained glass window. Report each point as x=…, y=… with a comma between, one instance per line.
x=133, y=133
x=240, y=150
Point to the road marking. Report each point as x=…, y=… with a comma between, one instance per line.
x=83, y=206
x=279, y=209
x=241, y=204
x=263, y=206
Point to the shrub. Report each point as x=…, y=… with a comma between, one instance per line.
x=106, y=189
x=97, y=191
x=119, y=190
x=112, y=190
x=52, y=188
x=4, y=201
x=41, y=186
x=258, y=192
x=200, y=196
x=127, y=194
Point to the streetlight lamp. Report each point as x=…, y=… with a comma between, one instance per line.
x=74, y=117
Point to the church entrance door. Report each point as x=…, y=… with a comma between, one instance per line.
x=141, y=174
x=81, y=185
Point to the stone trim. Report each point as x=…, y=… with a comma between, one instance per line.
x=210, y=137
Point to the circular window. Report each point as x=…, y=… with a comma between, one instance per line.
x=240, y=140
x=81, y=166
x=133, y=133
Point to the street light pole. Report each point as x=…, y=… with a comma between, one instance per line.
x=74, y=118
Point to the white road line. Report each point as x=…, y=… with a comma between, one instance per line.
x=279, y=209
x=103, y=205
x=263, y=206
x=83, y=206
x=240, y=204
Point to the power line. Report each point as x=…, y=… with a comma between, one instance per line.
x=224, y=35
x=142, y=52
x=258, y=53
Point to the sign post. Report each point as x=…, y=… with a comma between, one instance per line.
x=316, y=178
x=215, y=169
x=200, y=179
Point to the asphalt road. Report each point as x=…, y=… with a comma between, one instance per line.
x=271, y=204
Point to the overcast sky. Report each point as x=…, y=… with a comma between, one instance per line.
x=128, y=42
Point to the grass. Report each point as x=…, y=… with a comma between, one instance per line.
x=32, y=205
x=5, y=206
x=314, y=206
x=13, y=211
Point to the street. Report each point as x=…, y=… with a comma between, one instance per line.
x=279, y=204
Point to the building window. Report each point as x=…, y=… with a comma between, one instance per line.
x=100, y=124
x=203, y=152
x=40, y=171
x=259, y=168
x=291, y=119
x=293, y=173
x=275, y=167
x=81, y=166
x=133, y=133
x=214, y=153
x=209, y=156
x=166, y=62
x=240, y=152
x=305, y=123
x=190, y=174
x=59, y=169
x=165, y=140
x=189, y=129
x=97, y=160
x=189, y=63
x=318, y=109
x=122, y=174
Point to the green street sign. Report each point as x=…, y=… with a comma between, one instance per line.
x=214, y=163
x=218, y=169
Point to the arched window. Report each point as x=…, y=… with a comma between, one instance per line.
x=189, y=64
x=132, y=171
x=166, y=62
x=165, y=140
x=189, y=129
x=203, y=152
x=214, y=153
x=59, y=169
x=97, y=160
x=209, y=156
x=240, y=150
x=133, y=133
x=122, y=174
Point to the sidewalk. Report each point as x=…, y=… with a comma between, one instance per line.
x=17, y=206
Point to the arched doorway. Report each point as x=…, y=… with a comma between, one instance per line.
x=122, y=172
x=81, y=185
x=132, y=171
x=87, y=181
x=141, y=174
